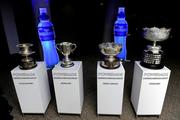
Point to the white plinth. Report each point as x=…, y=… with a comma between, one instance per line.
x=68, y=85
x=149, y=89
x=110, y=87
x=32, y=88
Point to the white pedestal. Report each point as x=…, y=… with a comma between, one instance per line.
x=32, y=88
x=149, y=89
x=68, y=85
x=110, y=87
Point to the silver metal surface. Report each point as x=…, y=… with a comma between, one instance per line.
x=152, y=56
x=110, y=50
x=66, y=48
x=27, y=62
x=156, y=34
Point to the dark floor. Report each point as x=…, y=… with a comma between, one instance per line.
x=171, y=108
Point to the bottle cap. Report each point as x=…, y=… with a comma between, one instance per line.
x=43, y=10
x=121, y=12
x=43, y=14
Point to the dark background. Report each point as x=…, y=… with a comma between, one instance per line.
x=83, y=21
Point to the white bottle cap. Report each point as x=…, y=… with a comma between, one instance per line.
x=42, y=10
x=121, y=9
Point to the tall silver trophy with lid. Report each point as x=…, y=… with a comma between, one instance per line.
x=27, y=62
x=110, y=50
x=31, y=82
x=153, y=54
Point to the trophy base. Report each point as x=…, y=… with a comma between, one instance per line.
x=153, y=57
x=113, y=65
x=110, y=89
x=67, y=65
x=152, y=66
x=32, y=89
x=27, y=66
x=68, y=84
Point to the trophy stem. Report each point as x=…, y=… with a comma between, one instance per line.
x=67, y=62
x=66, y=58
x=154, y=43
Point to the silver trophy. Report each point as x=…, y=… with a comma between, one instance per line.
x=110, y=50
x=27, y=62
x=153, y=55
x=66, y=48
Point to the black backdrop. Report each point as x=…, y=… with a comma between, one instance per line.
x=83, y=21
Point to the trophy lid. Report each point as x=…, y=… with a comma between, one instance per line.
x=24, y=49
x=27, y=62
x=156, y=34
x=22, y=45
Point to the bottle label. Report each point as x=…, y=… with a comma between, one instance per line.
x=46, y=33
x=120, y=30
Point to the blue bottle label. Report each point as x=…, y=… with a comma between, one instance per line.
x=46, y=33
x=120, y=30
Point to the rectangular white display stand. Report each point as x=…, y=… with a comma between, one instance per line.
x=68, y=85
x=110, y=87
x=148, y=89
x=32, y=88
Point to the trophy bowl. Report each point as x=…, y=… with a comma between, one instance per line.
x=110, y=50
x=66, y=48
x=153, y=55
x=27, y=62
x=156, y=34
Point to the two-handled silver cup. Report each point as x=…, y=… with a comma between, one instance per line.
x=66, y=48
x=27, y=62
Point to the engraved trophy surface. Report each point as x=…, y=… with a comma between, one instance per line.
x=27, y=62
x=66, y=48
x=153, y=55
x=110, y=50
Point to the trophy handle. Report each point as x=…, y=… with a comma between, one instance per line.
x=58, y=46
x=73, y=45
